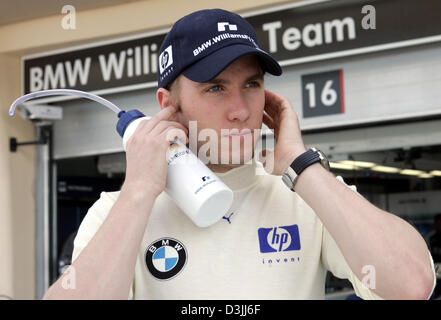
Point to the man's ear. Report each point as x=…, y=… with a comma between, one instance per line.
x=163, y=97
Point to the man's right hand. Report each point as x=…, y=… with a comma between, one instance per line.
x=101, y=272
x=146, y=152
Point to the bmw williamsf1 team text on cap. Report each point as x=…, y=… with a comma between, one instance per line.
x=202, y=44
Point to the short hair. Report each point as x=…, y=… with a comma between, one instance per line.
x=173, y=85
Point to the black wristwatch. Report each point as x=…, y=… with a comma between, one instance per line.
x=302, y=162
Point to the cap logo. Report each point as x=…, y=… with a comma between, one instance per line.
x=221, y=26
x=165, y=59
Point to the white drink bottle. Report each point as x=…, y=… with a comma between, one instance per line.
x=195, y=189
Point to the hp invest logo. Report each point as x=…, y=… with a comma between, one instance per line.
x=278, y=239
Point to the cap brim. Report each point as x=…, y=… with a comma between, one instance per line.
x=210, y=66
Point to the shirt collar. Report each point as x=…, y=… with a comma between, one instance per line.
x=241, y=177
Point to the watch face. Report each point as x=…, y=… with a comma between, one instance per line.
x=324, y=160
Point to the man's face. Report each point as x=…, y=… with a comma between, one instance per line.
x=235, y=99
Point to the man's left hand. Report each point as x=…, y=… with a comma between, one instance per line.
x=281, y=118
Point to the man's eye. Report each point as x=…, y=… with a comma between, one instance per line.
x=214, y=89
x=253, y=84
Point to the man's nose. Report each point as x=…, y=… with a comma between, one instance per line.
x=238, y=108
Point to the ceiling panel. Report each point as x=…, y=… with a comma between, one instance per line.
x=12, y=11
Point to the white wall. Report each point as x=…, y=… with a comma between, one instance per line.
x=17, y=232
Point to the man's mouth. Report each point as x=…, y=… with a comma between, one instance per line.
x=241, y=136
x=237, y=133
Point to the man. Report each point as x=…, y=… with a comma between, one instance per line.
x=273, y=243
x=434, y=242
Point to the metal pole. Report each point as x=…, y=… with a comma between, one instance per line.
x=42, y=219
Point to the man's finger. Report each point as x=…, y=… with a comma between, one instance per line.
x=164, y=114
x=164, y=125
x=275, y=102
x=272, y=99
x=268, y=120
x=172, y=133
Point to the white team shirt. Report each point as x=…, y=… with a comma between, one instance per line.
x=270, y=245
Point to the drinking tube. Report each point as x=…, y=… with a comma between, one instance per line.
x=67, y=92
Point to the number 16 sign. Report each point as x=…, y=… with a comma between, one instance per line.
x=322, y=93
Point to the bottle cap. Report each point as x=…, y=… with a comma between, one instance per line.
x=125, y=118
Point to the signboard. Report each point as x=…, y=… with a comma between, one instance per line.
x=414, y=204
x=111, y=65
x=322, y=94
x=336, y=28
x=295, y=33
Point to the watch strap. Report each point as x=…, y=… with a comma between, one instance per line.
x=305, y=160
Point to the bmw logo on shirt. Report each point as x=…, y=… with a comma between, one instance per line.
x=165, y=258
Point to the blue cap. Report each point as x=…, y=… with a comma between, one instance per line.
x=125, y=118
x=202, y=44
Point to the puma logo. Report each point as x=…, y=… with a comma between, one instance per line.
x=228, y=218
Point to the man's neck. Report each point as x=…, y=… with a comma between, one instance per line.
x=221, y=168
